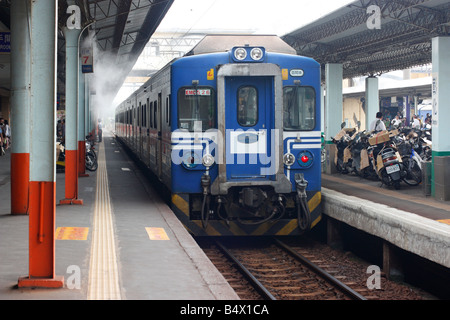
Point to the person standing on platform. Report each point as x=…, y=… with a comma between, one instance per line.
x=7, y=134
x=100, y=132
x=378, y=124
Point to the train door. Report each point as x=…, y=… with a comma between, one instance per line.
x=249, y=115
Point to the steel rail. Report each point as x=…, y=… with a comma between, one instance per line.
x=325, y=275
x=247, y=274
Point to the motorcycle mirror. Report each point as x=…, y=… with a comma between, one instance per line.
x=358, y=123
x=342, y=125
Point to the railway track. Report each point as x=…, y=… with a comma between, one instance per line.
x=270, y=269
x=276, y=271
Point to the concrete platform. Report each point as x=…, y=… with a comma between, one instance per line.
x=405, y=218
x=155, y=257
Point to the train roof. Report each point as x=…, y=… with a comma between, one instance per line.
x=225, y=42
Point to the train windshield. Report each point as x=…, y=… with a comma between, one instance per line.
x=247, y=106
x=196, y=108
x=299, y=108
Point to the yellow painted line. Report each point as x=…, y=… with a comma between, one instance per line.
x=236, y=230
x=210, y=230
x=181, y=204
x=316, y=221
x=315, y=201
x=103, y=271
x=288, y=228
x=262, y=229
x=156, y=233
x=71, y=233
x=446, y=221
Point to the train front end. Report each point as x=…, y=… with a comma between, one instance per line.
x=246, y=151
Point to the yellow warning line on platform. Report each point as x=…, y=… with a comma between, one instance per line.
x=103, y=273
x=71, y=233
x=157, y=233
x=446, y=221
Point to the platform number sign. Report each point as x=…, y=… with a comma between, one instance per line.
x=74, y=21
x=374, y=20
x=87, y=60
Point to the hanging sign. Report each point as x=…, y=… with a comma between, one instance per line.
x=87, y=60
x=435, y=105
x=5, y=42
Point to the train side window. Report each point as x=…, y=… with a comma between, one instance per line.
x=139, y=112
x=167, y=109
x=155, y=114
x=299, y=108
x=170, y=112
x=247, y=105
x=151, y=114
x=144, y=115
x=147, y=113
x=196, y=108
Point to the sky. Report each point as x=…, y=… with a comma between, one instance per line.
x=264, y=16
x=277, y=17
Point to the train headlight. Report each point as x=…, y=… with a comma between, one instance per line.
x=256, y=54
x=240, y=54
x=208, y=160
x=305, y=159
x=288, y=159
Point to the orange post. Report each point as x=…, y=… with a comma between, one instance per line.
x=41, y=237
x=20, y=178
x=82, y=159
x=71, y=184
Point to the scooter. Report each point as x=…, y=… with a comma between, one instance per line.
x=390, y=169
x=91, y=156
x=343, y=160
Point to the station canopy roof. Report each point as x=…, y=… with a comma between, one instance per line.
x=121, y=29
x=349, y=35
x=225, y=42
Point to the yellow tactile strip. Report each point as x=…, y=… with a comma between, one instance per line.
x=103, y=273
x=71, y=233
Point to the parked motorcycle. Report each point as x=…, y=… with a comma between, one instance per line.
x=343, y=160
x=91, y=156
x=361, y=159
x=90, y=159
x=390, y=169
x=407, y=146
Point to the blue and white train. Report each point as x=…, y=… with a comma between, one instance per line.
x=232, y=130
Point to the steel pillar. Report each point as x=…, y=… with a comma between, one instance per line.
x=81, y=124
x=440, y=179
x=333, y=109
x=71, y=138
x=372, y=100
x=20, y=107
x=87, y=106
x=42, y=187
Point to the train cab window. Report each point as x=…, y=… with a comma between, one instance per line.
x=247, y=105
x=299, y=108
x=196, y=108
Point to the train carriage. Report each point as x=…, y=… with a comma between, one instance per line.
x=232, y=129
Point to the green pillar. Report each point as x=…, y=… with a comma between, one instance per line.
x=440, y=176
